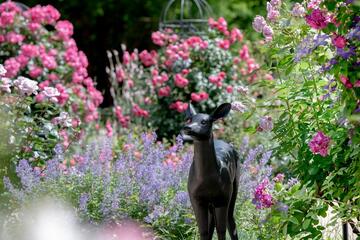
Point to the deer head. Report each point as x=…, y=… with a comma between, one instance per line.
x=199, y=125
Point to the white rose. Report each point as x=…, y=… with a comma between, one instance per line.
x=51, y=93
x=2, y=70
x=26, y=86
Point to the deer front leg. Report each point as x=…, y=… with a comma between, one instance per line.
x=201, y=215
x=221, y=215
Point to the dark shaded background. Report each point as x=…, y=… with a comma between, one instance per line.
x=102, y=25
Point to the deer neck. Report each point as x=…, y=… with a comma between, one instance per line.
x=204, y=158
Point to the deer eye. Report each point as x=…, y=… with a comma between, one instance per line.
x=203, y=122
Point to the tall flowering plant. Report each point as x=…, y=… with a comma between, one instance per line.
x=35, y=44
x=157, y=85
x=314, y=52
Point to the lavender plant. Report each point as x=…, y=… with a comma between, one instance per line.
x=145, y=181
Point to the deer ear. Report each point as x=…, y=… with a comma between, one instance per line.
x=221, y=112
x=190, y=111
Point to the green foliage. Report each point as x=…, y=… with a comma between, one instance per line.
x=314, y=100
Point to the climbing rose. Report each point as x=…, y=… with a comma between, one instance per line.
x=319, y=144
x=318, y=19
x=26, y=86
x=259, y=23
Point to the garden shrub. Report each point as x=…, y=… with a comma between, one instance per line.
x=38, y=53
x=155, y=87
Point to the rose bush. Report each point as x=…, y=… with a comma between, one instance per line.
x=35, y=44
x=156, y=86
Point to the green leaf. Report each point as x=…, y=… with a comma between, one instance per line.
x=294, y=220
x=306, y=224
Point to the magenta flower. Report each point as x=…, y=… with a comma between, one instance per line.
x=339, y=41
x=346, y=81
x=319, y=144
x=279, y=177
x=262, y=197
x=318, y=19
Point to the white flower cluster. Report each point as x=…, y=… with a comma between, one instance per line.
x=238, y=106
x=63, y=120
x=5, y=83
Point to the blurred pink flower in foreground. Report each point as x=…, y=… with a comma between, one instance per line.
x=125, y=231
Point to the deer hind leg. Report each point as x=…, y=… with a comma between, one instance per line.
x=211, y=221
x=221, y=219
x=231, y=225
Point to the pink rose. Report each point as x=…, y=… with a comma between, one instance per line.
x=12, y=67
x=244, y=52
x=224, y=44
x=148, y=59
x=164, y=91
x=64, y=29
x=236, y=35
x=180, y=81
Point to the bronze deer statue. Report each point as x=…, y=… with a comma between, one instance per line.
x=214, y=175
